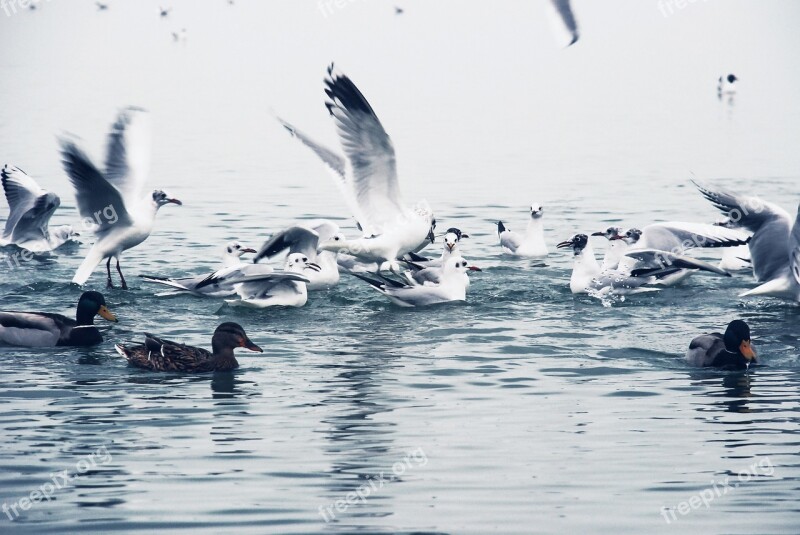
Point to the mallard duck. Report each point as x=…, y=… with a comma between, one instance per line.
x=163, y=355
x=43, y=329
x=732, y=351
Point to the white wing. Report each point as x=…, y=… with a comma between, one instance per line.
x=93, y=193
x=128, y=152
x=676, y=236
x=369, y=151
x=30, y=206
x=296, y=239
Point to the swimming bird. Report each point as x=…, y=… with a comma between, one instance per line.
x=531, y=243
x=451, y=287
x=367, y=178
x=305, y=239
x=733, y=350
x=113, y=200
x=726, y=85
x=564, y=21
x=616, y=247
x=422, y=271
x=220, y=283
x=774, y=246
x=162, y=355
x=45, y=329
x=30, y=210
x=287, y=288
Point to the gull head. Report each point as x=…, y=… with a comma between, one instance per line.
x=298, y=262
x=457, y=264
x=236, y=249
x=451, y=239
x=537, y=210
x=578, y=243
x=632, y=236
x=611, y=233
x=160, y=198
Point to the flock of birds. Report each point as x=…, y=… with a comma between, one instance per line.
x=757, y=235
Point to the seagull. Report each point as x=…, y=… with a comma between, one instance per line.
x=367, y=178
x=398, y=10
x=113, y=200
x=452, y=286
x=531, y=244
x=735, y=258
x=286, y=288
x=101, y=6
x=423, y=271
x=305, y=239
x=726, y=85
x=179, y=36
x=672, y=239
x=616, y=247
x=164, y=11
x=221, y=283
x=564, y=21
x=774, y=246
x=30, y=210
x=452, y=238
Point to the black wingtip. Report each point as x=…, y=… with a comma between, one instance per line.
x=500, y=227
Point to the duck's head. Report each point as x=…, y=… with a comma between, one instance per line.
x=90, y=305
x=578, y=243
x=611, y=233
x=737, y=340
x=160, y=198
x=229, y=336
x=537, y=210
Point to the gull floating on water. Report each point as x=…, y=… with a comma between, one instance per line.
x=615, y=249
x=221, y=283
x=451, y=287
x=30, y=210
x=367, y=178
x=424, y=271
x=113, y=201
x=286, y=288
x=774, y=246
x=530, y=244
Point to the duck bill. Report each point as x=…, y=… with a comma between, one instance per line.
x=747, y=350
x=105, y=313
x=248, y=344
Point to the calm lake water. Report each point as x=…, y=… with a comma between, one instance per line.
x=524, y=410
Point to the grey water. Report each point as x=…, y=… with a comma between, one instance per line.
x=523, y=410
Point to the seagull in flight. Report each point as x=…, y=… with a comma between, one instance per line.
x=367, y=178
x=774, y=246
x=564, y=22
x=113, y=200
x=30, y=210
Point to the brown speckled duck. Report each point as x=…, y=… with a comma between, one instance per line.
x=163, y=355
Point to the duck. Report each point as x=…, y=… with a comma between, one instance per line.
x=45, y=329
x=731, y=351
x=161, y=355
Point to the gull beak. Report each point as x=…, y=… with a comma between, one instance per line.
x=617, y=237
x=248, y=344
x=598, y=233
x=474, y=268
x=747, y=350
x=564, y=244
x=175, y=201
x=314, y=266
x=464, y=235
x=450, y=246
x=249, y=250
x=105, y=313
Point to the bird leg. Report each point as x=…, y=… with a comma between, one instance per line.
x=124, y=284
x=109, y=284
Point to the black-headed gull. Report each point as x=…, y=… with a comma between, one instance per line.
x=451, y=287
x=726, y=85
x=30, y=210
x=615, y=249
x=283, y=288
x=422, y=271
x=529, y=244
x=774, y=246
x=367, y=178
x=305, y=239
x=114, y=201
x=221, y=283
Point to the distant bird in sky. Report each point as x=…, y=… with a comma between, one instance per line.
x=113, y=200
x=726, y=85
x=30, y=210
x=179, y=36
x=164, y=11
x=101, y=6
x=398, y=10
x=564, y=22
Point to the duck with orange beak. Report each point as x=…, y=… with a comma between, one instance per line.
x=731, y=351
